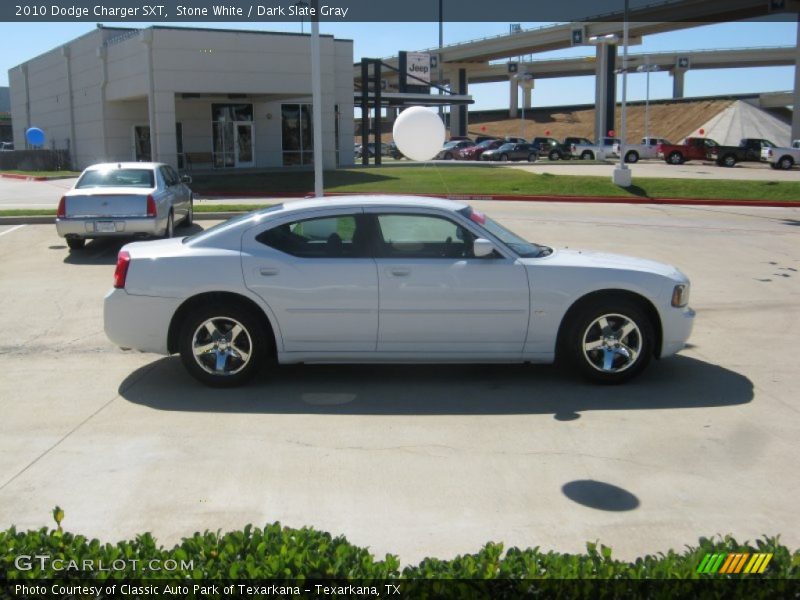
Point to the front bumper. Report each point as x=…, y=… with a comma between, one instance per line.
x=138, y=322
x=94, y=227
x=677, y=326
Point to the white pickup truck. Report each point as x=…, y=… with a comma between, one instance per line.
x=607, y=148
x=647, y=149
x=782, y=158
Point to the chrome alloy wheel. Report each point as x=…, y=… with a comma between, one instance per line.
x=222, y=346
x=612, y=343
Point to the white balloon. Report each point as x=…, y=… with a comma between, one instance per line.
x=418, y=133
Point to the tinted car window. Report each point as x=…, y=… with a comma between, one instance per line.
x=139, y=178
x=422, y=236
x=323, y=237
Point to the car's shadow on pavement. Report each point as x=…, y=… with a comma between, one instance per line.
x=678, y=382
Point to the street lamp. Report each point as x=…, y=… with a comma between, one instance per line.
x=525, y=82
x=647, y=68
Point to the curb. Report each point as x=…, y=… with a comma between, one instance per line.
x=33, y=177
x=51, y=219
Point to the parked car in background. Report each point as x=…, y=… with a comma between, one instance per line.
x=394, y=151
x=461, y=138
x=748, y=150
x=781, y=158
x=515, y=140
x=693, y=148
x=564, y=150
x=544, y=144
x=607, y=148
x=124, y=199
x=6, y=146
x=482, y=138
x=385, y=149
x=450, y=150
x=648, y=148
x=310, y=281
x=475, y=152
x=512, y=151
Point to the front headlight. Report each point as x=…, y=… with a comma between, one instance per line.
x=680, y=295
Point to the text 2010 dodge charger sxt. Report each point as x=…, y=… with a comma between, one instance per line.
x=388, y=279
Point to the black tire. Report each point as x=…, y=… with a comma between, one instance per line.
x=675, y=158
x=189, y=219
x=555, y=155
x=169, y=231
x=504, y=158
x=729, y=160
x=583, y=326
x=632, y=157
x=448, y=156
x=235, y=370
x=533, y=157
x=587, y=155
x=786, y=163
x=76, y=243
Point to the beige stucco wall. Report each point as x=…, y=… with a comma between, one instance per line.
x=121, y=78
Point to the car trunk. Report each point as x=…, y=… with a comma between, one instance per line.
x=110, y=202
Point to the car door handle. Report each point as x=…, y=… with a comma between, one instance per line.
x=269, y=271
x=400, y=271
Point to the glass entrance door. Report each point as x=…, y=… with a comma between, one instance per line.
x=244, y=144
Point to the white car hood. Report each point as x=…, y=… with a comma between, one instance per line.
x=605, y=260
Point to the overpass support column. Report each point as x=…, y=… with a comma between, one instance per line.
x=458, y=114
x=513, y=97
x=526, y=96
x=677, y=82
x=605, y=98
x=796, y=99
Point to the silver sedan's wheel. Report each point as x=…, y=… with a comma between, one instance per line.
x=609, y=339
x=169, y=230
x=612, y=343
x=222, y=346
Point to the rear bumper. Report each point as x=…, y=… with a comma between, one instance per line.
x=138, y=322
x=88, y=227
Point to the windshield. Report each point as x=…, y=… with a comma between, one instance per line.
x=138, y=178
x=487, y=144
x=201, y=235
x=522, y=247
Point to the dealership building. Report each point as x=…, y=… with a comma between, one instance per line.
x=193, y=98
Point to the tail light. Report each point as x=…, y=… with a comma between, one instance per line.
x=121, y=272
x=151, y=207
x=62, y=208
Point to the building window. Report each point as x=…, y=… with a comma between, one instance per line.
x=232, y=132
x=297, y=135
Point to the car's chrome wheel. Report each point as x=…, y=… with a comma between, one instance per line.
x=676, y=158
x=612, y=343
x=554, y=155
x=222, y=346
x=609, y=339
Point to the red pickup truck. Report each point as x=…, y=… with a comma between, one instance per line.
x=693, y=148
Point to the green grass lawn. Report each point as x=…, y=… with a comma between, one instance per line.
x=440, y=180
x=42, y=173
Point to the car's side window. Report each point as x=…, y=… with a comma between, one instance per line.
x=173, y=176
x=422, y=236
x=342, y=236
x=165, y=176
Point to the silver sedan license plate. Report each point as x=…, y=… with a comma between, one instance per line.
x=105, y=227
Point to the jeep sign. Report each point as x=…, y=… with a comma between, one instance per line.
x=418, y=66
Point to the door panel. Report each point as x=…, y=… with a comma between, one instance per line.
x=325, y=300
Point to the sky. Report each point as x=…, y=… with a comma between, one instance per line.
x=21, y=41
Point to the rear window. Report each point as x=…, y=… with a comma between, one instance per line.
x=136, y=178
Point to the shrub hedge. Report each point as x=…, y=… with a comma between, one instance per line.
x=281, y=552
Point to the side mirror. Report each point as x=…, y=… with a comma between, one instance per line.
x=186, y=179
x=482, y=247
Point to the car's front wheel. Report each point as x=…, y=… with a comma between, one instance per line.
x=610, y=341
x=223, y=346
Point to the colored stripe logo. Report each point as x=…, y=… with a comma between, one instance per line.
x=732, y=563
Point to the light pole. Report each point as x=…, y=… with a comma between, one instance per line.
x=647, y=68
x=622, y=175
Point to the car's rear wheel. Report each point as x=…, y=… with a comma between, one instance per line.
x=610, y=341
x=555, y=155
x=632, y=157
x=729, y=160
x=587, y=155
x=76, y=243
x=223, y=346
x=169, y=231
x=676, y=158
x=187, y=222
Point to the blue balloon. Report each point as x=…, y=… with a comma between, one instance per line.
x=35, y=136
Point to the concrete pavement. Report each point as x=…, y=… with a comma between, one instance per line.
x=420, y=461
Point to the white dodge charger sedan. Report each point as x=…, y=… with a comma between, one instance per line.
x=389, y=279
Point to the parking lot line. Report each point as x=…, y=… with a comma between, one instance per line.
x=2, y=233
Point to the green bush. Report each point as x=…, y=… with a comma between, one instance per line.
x=286, y=553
